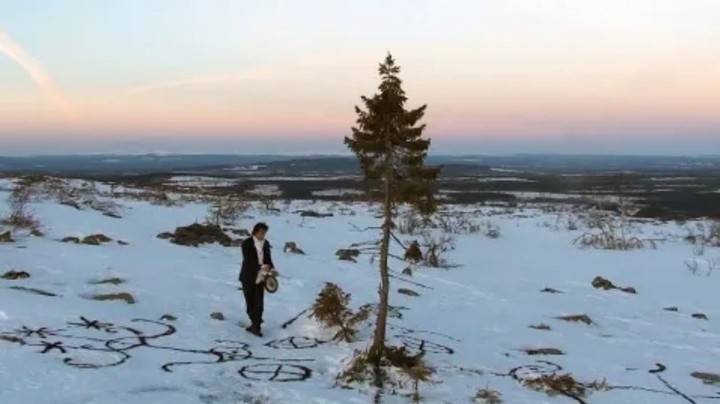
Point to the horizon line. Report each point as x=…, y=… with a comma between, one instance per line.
x=349, y=154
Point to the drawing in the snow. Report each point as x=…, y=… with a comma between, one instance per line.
x=553, y=305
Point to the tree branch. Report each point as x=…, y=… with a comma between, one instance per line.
x=365, y=229
x=396, y=257
x=392, y=275
x=398, y=240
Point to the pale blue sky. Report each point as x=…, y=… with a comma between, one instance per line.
x=499, y=76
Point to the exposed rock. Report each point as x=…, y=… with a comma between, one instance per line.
x=550, y=290
x=674, y=309
x=122, y=242
x=165, y=235
x=112, y=214
x=348, y=254
x=71, y=239
x=197, y=234
x=543, y=351
x=408, y=292
x=217, y=316
x=168, y=317
x=37, y=233
x=6, y=237
x=124, y=296
x=15, y=275
x=699, y=316
x=292, y=247
x=582, y=318
x=542, y=327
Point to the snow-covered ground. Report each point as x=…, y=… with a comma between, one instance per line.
x=473, y=320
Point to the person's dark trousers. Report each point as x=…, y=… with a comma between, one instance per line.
x=254, y=302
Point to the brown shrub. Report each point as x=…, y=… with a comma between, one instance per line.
x=332, y=311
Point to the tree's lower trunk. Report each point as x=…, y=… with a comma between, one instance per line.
x=378, y=346
x=380, y=326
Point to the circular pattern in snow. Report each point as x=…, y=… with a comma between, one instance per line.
x=275, y=372
x=423, y=345
x=295, y=343
x=81, y=342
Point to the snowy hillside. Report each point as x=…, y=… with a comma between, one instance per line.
x=491, y=321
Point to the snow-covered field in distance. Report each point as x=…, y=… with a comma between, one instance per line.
x=473, y=320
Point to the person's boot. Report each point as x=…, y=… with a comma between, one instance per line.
x=255, y=330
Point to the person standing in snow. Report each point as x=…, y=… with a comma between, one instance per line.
x=257, y=264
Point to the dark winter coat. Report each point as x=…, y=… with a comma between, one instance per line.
x=250, y=265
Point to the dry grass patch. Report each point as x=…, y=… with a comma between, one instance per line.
x=543, y=351
x=196, y=234
x=6, y=237
x=123, y=296
x=408, y=292
x=108, y=281
x=11, y=339
x=576, y=318
x=34, y=291
x=605, y=284
x=563, y=385
x=13, y=275
x=394, y=371
x=487, y=396
x=96, y=239
x=707, y=378
x=349, y=254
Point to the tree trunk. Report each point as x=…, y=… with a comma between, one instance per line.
x=378, y=346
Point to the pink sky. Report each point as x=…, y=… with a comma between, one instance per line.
x=491, y=73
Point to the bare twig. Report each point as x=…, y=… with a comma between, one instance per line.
x=392, y=275
x=365, y=229
x=398, y=240
x=292, y=320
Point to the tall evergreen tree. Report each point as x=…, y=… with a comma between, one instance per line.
x=389, y=146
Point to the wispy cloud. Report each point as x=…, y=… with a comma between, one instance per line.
x=315, y=66
x=37, y=73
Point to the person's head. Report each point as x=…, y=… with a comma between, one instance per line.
x=260, y=230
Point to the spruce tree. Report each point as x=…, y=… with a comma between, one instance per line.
x=388, y=143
